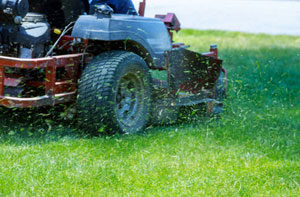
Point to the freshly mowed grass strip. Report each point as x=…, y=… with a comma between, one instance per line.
x=254, y=149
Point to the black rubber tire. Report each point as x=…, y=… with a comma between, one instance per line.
x=98, y=93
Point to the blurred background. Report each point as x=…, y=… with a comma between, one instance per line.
x=254, y=16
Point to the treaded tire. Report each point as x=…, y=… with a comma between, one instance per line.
x=103, y=84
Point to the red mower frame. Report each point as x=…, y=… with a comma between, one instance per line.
x=56, y=92
x=59, y=91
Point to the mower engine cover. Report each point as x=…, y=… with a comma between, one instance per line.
x=34, y=33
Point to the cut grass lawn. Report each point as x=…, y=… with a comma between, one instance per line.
x=254, y=149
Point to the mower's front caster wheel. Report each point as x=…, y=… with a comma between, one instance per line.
x=115, y=93
x=213, y=108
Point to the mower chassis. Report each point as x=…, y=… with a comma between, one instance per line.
x=59, y=92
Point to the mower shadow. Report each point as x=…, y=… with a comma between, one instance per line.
x=44, y=125
x=34, y=125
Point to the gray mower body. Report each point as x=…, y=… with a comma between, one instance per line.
x=151, y=33
x=188, y=71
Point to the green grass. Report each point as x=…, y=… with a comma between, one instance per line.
x=254, y=149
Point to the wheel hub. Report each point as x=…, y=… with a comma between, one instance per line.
x=129, y=99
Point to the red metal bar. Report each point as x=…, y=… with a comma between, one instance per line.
x=142, y=8
x=36, y=63
x=65, y=42
x=177, y=45
x=50, y=79
x=209, y=54
x=2, y=80
x=213, y=52
x=55, y=91
x=171, y=21
x=65, y=86
x=11, y=102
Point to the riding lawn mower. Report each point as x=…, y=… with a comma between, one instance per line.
x=121, y=72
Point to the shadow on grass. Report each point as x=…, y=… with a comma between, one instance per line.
x=44, y=125
x=41, y=125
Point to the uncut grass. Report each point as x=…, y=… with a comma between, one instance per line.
x=253, y=149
